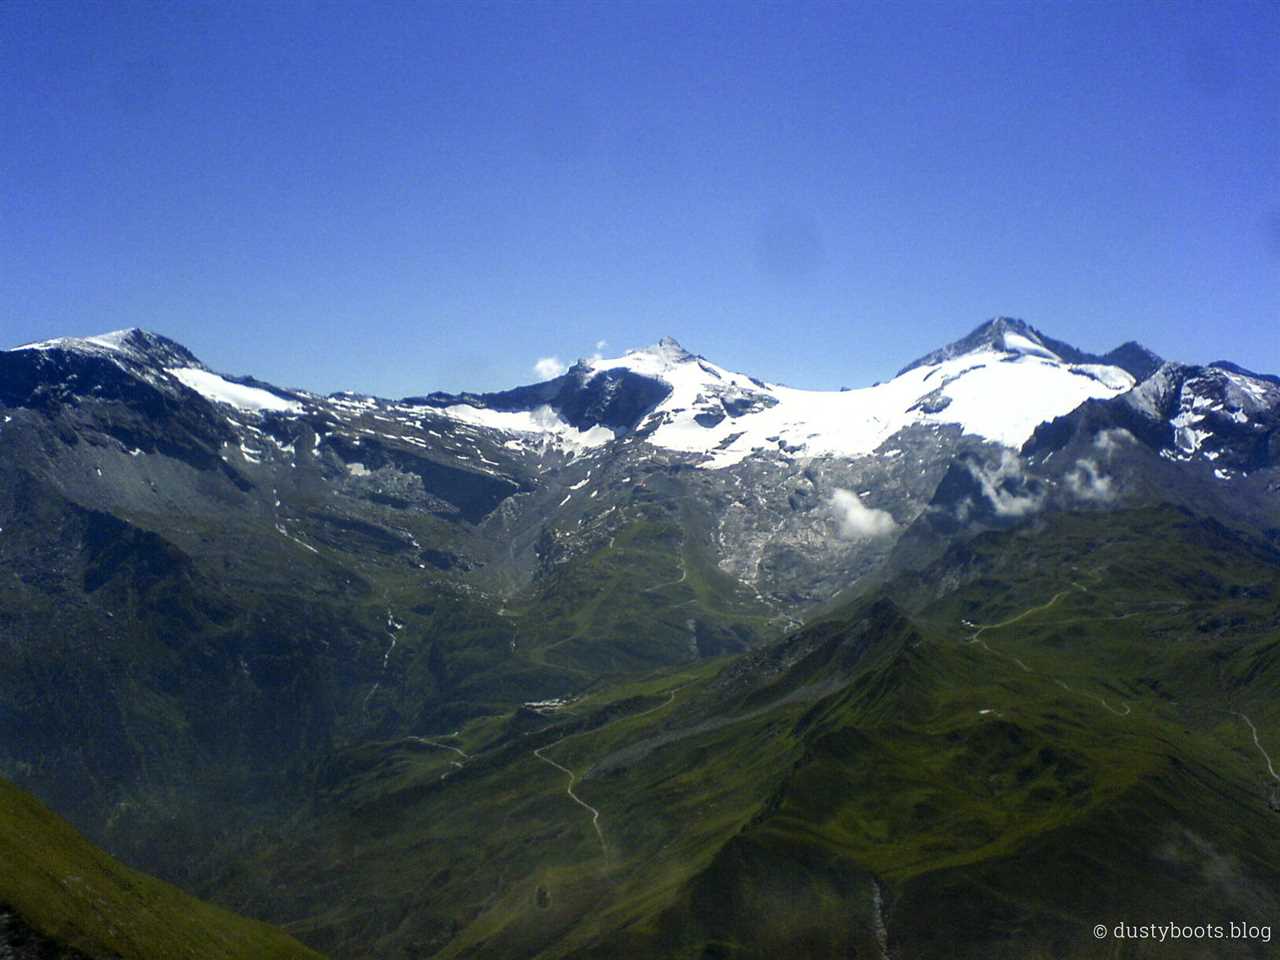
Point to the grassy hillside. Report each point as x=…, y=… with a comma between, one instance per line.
x=1051, y=729
x=172, y=676
x=61, y=896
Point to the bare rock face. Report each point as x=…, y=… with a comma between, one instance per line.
x=798, y=493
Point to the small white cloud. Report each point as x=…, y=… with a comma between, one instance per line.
x=856, y=520
x=1087, y=482
x=1109, y=440
x=999, y=482
x=544, y=418
x=547, y=368
x=601, y=344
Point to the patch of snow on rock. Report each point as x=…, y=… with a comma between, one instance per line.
x=542, y=421
x=215, y=388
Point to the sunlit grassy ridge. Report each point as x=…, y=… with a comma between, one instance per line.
x=73, y=897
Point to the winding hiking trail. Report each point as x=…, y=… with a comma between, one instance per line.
x=595, y=814
x=393, y=627
x=1119, y=713
x=1124, y=710
x=684, y=575
x=979, y=628
x=1261, y=749
x=444, y=746
x=573, y=777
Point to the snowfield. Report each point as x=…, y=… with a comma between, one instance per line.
x=220, y=390
x=542, y=421
x=999, y=394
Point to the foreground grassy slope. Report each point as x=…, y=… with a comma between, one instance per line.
x=1047, y=731
x=65, y=897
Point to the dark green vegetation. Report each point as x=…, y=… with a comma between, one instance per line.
x=980, y=792
x=61, y=897
x=192, y=676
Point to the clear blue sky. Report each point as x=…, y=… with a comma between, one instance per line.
x=408, y=196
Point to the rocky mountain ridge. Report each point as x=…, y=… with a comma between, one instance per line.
x=466, y=456
x=807, y=488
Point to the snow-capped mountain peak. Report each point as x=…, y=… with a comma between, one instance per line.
x=723, y=416
x=1216, y=412
x=1011, y=335
x=682, y=402
x=665, y=359
x=667, y=350
x=134, y=355
x=668, y=361
x=130, y=346
x=997, y=334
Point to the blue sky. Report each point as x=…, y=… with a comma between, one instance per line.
x=404, y=197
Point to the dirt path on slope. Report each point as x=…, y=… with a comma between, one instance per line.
x=595, y=814
x=444, y=746
x=977, y=639
x=573, y=777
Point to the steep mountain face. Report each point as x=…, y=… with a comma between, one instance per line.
x=1220, y=416
x=230, y=602
x=803, y=489
x=1204, y=437
x=807, y=488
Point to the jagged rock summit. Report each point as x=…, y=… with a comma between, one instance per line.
x=130, y=345
x=1011, y=335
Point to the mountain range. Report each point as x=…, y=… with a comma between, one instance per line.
x=655, y=658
